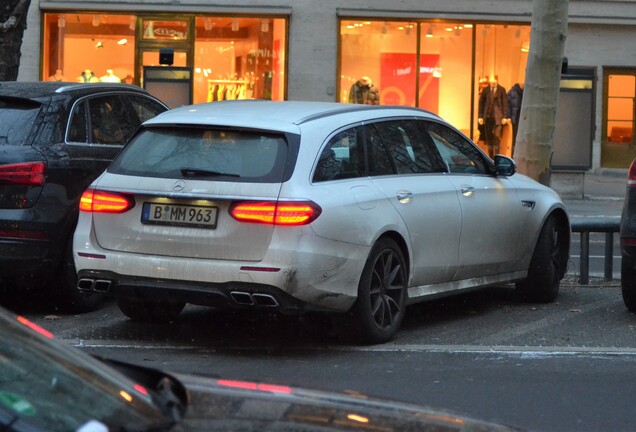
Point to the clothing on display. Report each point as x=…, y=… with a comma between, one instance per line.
x=493, y=114
x=515, y=96
x=57, y=76
x=87, y=76
x=220, y=90
x=364, y=92
x=110, y=77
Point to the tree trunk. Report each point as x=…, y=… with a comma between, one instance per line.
x=13, y=16
x=533, y=150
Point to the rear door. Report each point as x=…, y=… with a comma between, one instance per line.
x=184, y=181
x=405, y=169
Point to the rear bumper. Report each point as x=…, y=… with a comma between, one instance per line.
x=219, y=295
x=29, y=259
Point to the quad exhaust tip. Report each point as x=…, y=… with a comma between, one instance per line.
x=253, y=299
x=94, y=285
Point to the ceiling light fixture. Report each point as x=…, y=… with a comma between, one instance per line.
x=207, y=24
x=235, y=24
x=429, y=32
x=61, y=22
x=96, y=20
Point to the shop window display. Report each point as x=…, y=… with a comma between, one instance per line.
x=239, y=58
x=234, y=57
x=453, y=69
x=88, y=47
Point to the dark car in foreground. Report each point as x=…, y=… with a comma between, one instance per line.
x=47, y=386
x=628, y=241
x=55, y=139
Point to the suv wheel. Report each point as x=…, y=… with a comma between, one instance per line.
x=547, y=266
x=379, y=309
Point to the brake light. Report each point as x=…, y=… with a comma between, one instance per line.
x=289, y=213
x=98, y=201
x=27, y=173
x=631, y=175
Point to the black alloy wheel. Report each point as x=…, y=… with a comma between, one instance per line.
x=379, y=310
x=547, y=266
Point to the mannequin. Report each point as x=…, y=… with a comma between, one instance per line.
x=88, y=76
x=364, y=92
x=57, y=76
x=110, y=77
x=493, y=114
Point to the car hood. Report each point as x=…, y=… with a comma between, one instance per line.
x=221, y=405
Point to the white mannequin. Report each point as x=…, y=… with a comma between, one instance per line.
x=87, y=76
x=110, y=77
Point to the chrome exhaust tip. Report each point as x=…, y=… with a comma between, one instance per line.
x=242, y=298
x=264, y=300
x=102, y=285
x=85, y=284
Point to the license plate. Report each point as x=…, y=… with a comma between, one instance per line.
x=179, y=215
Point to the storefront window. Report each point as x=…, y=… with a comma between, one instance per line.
x=388, y=55
x=618, y=148
x=378, y=62
x=501, y=52
x=239, y=58
x=88, y=47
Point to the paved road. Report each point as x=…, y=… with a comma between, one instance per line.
x=566, y=366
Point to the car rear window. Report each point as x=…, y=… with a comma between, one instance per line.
x=204, y=153
x=17, y=118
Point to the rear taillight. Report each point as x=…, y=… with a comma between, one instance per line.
x=290, y=213
x=631, y=175
x=26, y=173
x=98, y=201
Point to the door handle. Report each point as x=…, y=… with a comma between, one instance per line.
x=404, y=197
x=467, y=190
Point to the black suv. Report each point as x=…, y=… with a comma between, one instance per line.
x=55, y=139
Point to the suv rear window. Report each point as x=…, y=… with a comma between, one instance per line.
x=204, y=153
x=16, y=120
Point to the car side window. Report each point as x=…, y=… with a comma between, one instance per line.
x=407, y=147
x=342, y=157
x=459, y=155
x=145, y=108
x=378, y=158
x=78, y=125
x=110, y=120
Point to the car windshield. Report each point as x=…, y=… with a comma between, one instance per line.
x=205, y=154
x=44, y=386
x=16, y=120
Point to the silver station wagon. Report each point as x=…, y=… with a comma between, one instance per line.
x=353, y=210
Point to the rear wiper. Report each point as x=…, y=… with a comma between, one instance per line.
x=192, y=172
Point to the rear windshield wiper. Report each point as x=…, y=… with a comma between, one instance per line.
x=192, y=172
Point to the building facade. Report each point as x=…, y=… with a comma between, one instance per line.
x=435, y=54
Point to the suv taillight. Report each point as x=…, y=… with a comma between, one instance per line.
x=97, y=201
x=631, y=175
x=290, y=213
x=25, y=173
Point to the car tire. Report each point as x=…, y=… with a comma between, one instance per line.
x=547, y=265
x=379, y=309
x=628, y=282
x=68, y=297
x=150, y=310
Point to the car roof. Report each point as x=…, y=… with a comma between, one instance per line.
x=284, y=116
x=38, y=90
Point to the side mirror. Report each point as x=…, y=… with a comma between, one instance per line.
x=504, y=166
